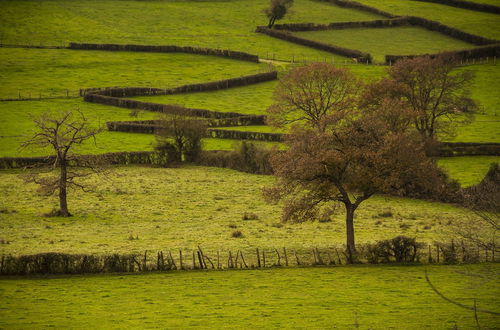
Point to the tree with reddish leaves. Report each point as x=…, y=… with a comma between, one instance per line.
x=345, y=156
x=433, y=90
x=313, y=95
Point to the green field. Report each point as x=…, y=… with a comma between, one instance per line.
x=467, y=171
x=53, y=71
x=383, y=297
x=219, y=24
x=470, y=21
x=387, y=41
x=184, y=207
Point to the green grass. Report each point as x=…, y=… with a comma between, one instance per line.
x=467, y=171
x=52, y=72
x=374, y=297
x=190, y=206
x=489, y=2
x=216, y=24
x=476, y=22
x=387, y=41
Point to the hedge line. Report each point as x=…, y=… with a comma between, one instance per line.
x=167, y=49
x=467, y=5
x=360, y=56
x=156, y=107
x=150, y=126
x=244, y=135
x=450, y=149
x=400, y=249
x=112, y=158
x=200, y=87
x=489, y=51
x=296, y=27
x=450, y=31
x=360, y=6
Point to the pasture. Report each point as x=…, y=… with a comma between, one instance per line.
x=374, y=297
x=133, y=209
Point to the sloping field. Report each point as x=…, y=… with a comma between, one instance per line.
x=387, y=41
x=189, y=206
x=383, y=297
x=215, y=24
x=470, y=21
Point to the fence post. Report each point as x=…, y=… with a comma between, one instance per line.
x=286, y=257
x=258, y=257
x=180, y=259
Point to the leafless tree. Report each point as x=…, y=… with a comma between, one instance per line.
x=61, y=132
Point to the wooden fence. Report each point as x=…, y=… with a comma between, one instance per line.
x=258, y=258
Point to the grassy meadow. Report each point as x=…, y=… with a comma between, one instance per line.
x=470, y=21
x=216, y=24
x=133, y=209
x=368, y=297
x=172, y=208
x=379, y=42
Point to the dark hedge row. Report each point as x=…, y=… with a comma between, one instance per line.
x=167, y=49
x=156, y=107
x=467, y=5
x=296, y=27
x=360, y=6
x=449, y=149
x=150, y=126
x=401, y=249
x=200, y=87
x=244, y=135
x=352, y=53
x=450, y=31
x=483, y=52
x=113, y=158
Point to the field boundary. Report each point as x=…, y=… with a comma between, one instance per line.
x=237, y=55
x=486, y=8
x=197, y=259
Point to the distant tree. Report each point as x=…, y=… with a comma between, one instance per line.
x=182, y=133
x=314, y=95
x=61, y=132
x=277, y=10
x=433, y=89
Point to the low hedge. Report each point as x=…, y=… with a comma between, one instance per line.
x=489, y=51
x=352, y=53
x=467, y=5
x=360, y=6
x=167, y=49
x=200, y=87
x=296, y=27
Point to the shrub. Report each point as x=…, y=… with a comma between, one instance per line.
x=399, y=249
x=250, y=216
x=237, y=234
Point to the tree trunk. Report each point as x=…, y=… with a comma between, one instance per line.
x=63, y=204
x=349, y=224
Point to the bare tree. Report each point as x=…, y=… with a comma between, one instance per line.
x=61, y=132
x=433, y=89
x=183, y=134
x=316, y=95
x=277, y=10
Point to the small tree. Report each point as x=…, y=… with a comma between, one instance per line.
x=277, y=10
x=61, y=132
x=315, y=95
x=434, y=90
x=184, y=134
